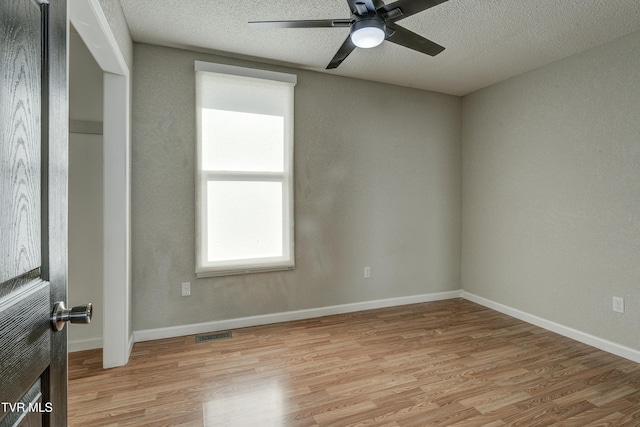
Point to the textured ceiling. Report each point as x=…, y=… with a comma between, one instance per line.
x=486, y=41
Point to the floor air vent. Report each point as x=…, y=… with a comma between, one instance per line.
x=213, y=337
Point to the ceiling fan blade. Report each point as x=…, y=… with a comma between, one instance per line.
x=403, y=37
x=344, y=51
x=406, y=8
x=314, y=23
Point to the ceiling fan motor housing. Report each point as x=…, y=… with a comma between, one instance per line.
x=368, y=30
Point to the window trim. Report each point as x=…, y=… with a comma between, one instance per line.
x=255, y=73
x=256, y=265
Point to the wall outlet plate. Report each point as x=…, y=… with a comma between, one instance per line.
x=618, y=304
x=367, y=272
x=186, y=289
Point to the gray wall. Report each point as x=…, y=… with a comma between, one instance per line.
x=85, y=193
x=551, y=185
x=378, y=182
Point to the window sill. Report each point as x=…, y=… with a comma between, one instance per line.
x=203, y=273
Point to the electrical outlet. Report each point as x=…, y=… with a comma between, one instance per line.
x=186, y=289
x=367, y=272
x=618, y=304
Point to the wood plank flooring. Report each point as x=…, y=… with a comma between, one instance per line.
x=446, y=363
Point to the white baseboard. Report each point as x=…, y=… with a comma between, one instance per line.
x=130, y=348
x=243, y=322
x=86, y=344
x=602, y=344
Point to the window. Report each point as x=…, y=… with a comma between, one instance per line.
x=244, y=170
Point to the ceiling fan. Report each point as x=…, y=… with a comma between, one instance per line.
x=370, y=24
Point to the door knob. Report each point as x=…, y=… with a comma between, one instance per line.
x=76, y=314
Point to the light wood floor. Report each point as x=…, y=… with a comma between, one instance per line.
x=446, y=363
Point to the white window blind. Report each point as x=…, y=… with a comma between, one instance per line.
x=244, y=170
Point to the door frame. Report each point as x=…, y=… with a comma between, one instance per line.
x=91, y=24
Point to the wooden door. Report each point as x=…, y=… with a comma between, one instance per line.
x=33, y=211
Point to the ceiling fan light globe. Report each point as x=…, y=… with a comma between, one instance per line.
x=367, y=37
